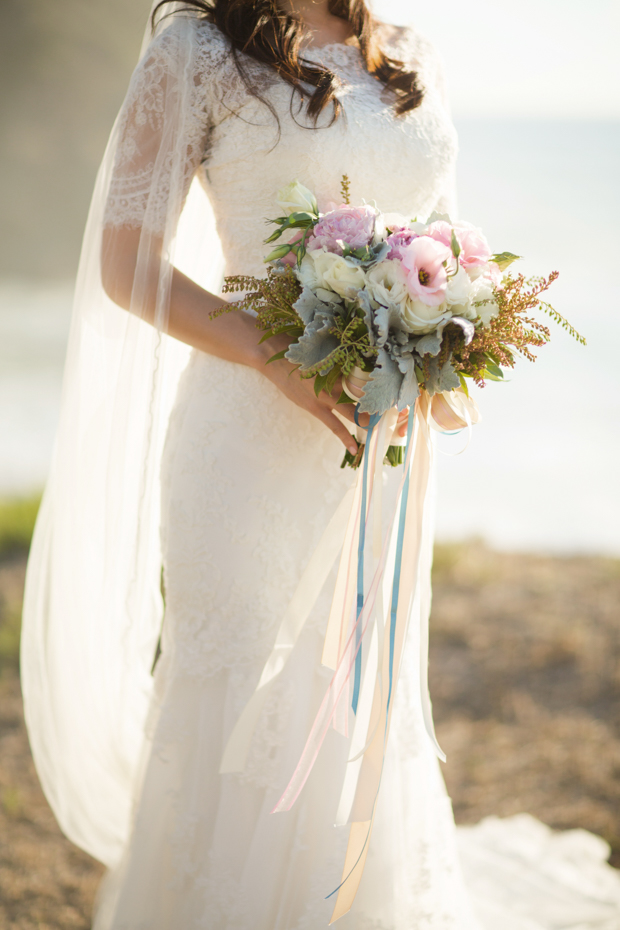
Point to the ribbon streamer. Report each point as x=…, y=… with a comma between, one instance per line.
x=405, y=549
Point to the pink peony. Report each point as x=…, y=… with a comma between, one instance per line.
x=475, y=251
x=427, y=278
x=398, y=240
x=352, y=226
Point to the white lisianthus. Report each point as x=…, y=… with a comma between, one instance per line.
x=482, y=290
x=458, y=292
x=336, y=273
x=295, y=198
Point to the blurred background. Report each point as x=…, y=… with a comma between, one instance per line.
x=526, y=639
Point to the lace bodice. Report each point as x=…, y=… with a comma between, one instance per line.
x=233, y=143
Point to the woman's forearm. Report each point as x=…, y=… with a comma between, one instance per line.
x=232, y=336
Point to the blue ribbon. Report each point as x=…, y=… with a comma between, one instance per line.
x=398, y=564
x=393, y=612
x=357, y=677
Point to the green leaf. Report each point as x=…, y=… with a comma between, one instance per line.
x=277, y=356
x=345, y=399
x=504, y=259
x=319, y=383
x=494, y=369
x=332, y=377
x=463, y=383
x=489, y=376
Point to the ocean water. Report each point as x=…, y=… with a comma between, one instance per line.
x=542, y=470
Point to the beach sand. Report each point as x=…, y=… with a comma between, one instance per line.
x=525, y=679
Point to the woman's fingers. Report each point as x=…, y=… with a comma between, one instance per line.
x=337, y=428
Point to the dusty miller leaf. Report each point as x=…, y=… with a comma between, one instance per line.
x=382, y=391
x=409, y=389
x=316, y=343
x=429, y=344
x=308, y=304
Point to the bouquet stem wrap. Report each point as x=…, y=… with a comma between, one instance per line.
x=366, y=629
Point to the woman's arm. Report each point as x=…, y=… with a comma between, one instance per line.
x=232, y=336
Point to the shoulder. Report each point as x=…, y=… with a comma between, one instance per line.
x=186, y=39
x=414, y=49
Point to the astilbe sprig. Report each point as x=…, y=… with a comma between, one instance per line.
x=511, y=331
x=271, y=299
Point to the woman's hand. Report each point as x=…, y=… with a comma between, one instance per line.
x=301, y=391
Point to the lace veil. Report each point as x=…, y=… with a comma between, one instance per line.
x=93, y=605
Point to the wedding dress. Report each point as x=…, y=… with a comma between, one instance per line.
x=248, y=483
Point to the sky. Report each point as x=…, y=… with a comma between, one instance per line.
x=535, y=59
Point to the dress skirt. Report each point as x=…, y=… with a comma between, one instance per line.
x=249, y=482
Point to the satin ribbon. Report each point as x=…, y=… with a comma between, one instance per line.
x=373, y=421
x=401, y=548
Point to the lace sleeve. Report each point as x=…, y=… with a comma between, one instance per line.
x=161, y=133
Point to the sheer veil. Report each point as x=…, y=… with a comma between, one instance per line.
x=93, y=606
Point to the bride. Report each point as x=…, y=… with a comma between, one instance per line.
x=225, y=471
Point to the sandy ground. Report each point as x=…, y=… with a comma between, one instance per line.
x=525, y=677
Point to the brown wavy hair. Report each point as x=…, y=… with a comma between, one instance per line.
x=260, y=29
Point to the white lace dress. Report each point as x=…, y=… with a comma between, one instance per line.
x=249, y=483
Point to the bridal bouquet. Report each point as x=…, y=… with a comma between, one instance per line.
x=393, y=306
x=403, y=314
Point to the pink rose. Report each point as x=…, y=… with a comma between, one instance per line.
x=475, y=251
x=441, y=232
x=423, y=262
x=352, y=226
x=398, y=240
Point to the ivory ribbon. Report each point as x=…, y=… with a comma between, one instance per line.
x=405, y=584
x=401, y=561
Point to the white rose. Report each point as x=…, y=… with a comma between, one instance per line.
x=338, y=274
x=387, y=283
x=295, y=198
x=458, y=294
x=419, y=318
x=482, y=290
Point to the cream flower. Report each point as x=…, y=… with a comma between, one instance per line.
x=457, y=296
x=387, y=283
x=306, y=272
x=295, y=198
x=338, y=274
x=482, y=290
x=420, y=318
